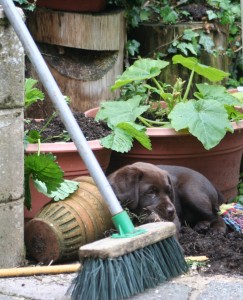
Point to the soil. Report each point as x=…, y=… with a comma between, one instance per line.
x=56, y=131
x=225, y=252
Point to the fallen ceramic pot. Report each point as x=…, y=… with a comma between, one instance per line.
x=60, y=228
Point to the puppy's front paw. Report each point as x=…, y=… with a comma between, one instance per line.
x=218, y=227
x=202, y=226
x=152, y=217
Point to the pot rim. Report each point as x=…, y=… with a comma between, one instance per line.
x=61, y=147
x=170, y=131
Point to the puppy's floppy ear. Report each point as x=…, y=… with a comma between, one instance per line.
x=173, y=196
x=125, y=184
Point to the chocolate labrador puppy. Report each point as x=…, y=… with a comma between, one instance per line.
x=169, y=193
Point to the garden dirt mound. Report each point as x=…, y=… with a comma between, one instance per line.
x=225, y=252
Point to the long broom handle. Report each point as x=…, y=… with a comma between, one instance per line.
x=61, y=106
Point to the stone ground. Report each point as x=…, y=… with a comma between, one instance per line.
x=191, y=286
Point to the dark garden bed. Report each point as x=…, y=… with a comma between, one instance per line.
x=225, y=252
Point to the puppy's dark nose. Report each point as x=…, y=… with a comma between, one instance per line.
x=170, y=211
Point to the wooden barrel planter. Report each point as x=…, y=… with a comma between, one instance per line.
x=158, y=37
x=60, y=228
x=84, y=52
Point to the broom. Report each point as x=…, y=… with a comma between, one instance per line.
x=135, y=258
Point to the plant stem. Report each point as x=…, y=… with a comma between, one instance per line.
x=188, y=85
x=39, y=143
x=48, y=122
x=158, y=85
x=149, y=123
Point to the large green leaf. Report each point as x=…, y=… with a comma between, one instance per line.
x=121, y=139
x=118, y=141
x=114, y=112
x=216, y=92
x=142, y=69
x=192, y=63
x=239, y=96
x=205, y=119
x=138, y=132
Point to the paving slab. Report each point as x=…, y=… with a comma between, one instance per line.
x=185, y=287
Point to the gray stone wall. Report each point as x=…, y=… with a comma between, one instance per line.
x=11, y=146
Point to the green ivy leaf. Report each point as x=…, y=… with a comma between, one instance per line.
x=183, y=47
x=211, y=15
x=114, y=112
x=144, y=15
x=26, y=4
x=207, y=120
x=192, y=63
x=189, y=35
x=66, y=188
x=206, y=41
x=142, y=69
x=169, y=15
x=132, y=47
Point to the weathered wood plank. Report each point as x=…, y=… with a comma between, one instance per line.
x=101, y=31
x=114, y=247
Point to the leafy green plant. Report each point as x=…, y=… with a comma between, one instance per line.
x=146, y=102
x=192, y=42
x=31, y=93
x=25, y=4
x=43, y=169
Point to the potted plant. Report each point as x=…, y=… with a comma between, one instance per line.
x=52, y=158
x=89, y=6
x=203, y=133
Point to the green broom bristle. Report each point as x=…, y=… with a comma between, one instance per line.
x=129, y=274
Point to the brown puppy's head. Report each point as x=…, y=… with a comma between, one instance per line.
x=145, y=190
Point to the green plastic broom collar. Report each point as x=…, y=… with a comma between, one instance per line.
x=125, y=226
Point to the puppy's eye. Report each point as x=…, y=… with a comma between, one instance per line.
x=168, y=190
x=152, y=191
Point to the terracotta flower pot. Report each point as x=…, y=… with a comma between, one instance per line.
x=60, y=228
x=74, y=5
x=71, y=163
x=221, y=165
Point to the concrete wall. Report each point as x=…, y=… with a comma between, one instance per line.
x=11, y=147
